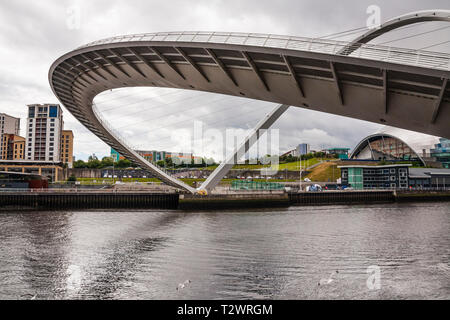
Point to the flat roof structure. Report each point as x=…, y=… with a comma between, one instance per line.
x=377, y=167
x=427, y=172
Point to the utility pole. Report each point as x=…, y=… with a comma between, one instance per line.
x=114, y=172
x=300, y=169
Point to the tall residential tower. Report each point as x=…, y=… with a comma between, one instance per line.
x=44, y=130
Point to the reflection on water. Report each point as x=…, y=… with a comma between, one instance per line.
x=260, y=254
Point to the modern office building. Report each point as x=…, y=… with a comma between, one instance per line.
x=67, y=148
x=425, y=178
x=342, y=153
x=303, y=149
x=44, y=131
x=376, y=177
x=441, y=152
x=13, y=147
x=10, y=125
x=116, y=156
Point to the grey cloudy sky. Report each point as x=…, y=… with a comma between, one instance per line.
x=34, y=34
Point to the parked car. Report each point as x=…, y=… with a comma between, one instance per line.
x=314, y=188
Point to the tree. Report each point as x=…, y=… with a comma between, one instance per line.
x=72, y=178
x=107, y=162
x=160, y=164
x=169, y=162
x=94, y=164
x=79, y=164
x=123, y=164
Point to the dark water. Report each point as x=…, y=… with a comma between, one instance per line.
x=264, y=254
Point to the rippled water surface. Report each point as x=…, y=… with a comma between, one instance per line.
x=260, y=254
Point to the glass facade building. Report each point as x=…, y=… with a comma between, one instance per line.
x=376, y=177
x=303, y=149
x=441, y=152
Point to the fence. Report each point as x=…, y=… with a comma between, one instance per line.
x=253, y=185
x=420, y=58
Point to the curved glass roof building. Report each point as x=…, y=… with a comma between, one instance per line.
x=394, y=144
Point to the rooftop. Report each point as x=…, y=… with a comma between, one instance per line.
x=426, y=172
x=377, y=167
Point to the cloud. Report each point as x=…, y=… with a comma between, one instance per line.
x=34, y=34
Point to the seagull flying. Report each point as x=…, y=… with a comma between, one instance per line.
x=325, y=282
x=182, y=286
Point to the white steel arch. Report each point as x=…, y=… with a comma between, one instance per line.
x=399, y=87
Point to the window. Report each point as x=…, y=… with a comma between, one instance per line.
x=392, y=171
x=53, y=112
x=393, y=178
x=393, y=185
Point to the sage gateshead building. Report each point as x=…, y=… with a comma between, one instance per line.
x=393, y=144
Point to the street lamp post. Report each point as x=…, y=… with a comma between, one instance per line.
x=114, y=172
x=300, y=173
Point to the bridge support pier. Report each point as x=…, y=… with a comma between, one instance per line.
x=217, y=176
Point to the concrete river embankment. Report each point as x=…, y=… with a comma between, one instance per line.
x=59, y=200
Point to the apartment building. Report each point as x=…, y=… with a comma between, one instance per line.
x=10, y=125
x=13, y=147
x=67, y=148
x=43, y=133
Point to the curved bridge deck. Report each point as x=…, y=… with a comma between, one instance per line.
x=398, y=87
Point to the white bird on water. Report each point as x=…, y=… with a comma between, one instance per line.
x=30, y=296
x=325, y=282
x=182, y=286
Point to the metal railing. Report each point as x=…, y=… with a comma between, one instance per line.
x=82, y=191
x=420, y=58
x=116, y=134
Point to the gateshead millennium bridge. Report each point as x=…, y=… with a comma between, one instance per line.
x=399, y=87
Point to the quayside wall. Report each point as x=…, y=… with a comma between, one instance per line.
x=11, y=201
x=91, y=200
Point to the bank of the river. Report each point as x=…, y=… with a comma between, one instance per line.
x=150, y=200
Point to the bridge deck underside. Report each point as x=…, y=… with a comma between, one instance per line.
x=403, y=96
